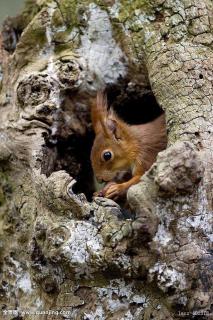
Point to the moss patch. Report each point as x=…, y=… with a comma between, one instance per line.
x=5, y=187
x=129, y=7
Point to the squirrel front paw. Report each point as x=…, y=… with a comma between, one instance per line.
x=102, y=192
x=98, y=194
x=114, y=191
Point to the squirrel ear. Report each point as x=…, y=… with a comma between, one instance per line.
x=113, y=127
x=104, y=120
x=99, y=111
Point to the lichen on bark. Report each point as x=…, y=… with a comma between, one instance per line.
x=92, y=259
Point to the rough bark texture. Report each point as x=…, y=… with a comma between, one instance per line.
x=91, y=260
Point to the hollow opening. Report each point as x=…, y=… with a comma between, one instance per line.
x=73, y=156
x=135, y=105
x=69, y=143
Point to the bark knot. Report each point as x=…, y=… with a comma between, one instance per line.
x=178, y=169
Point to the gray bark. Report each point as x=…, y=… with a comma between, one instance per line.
x=81, y=259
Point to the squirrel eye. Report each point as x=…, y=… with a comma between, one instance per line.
x=107, y=155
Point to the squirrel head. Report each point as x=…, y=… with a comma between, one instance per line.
x=111, y=153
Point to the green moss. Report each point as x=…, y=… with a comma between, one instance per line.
x=130, y=14
x=5, y=187
x=57, y=19
x=98, y=280
x=69, y=12
x=2, y=198
x=30, y=10
x=128, y=8
x=73, y=10
x=63, y=47
x=38, y=36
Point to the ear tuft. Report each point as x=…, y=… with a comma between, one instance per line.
x=102, y=100
x=99, y=111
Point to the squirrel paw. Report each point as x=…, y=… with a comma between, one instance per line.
x=115, y=190
x=98, y=194
x=102, y=193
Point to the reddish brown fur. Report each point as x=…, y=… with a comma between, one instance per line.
x=134, y=146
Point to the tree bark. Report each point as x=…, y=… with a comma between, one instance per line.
x=63, y=256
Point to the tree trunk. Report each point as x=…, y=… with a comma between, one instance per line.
x=62, y=254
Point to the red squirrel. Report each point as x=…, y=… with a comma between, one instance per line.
x=119, y=147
